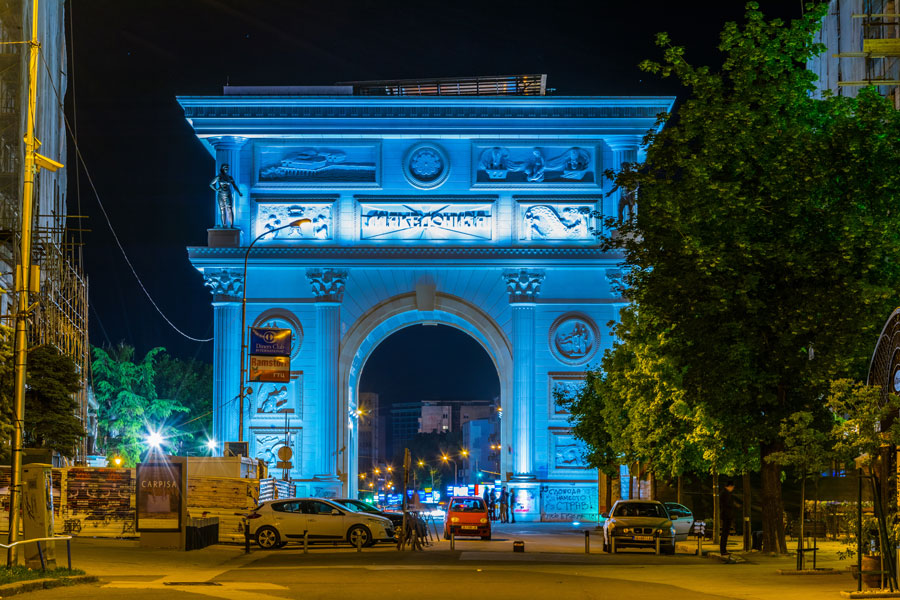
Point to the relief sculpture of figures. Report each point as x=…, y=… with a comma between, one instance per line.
x=222, y=184
x=531, y=165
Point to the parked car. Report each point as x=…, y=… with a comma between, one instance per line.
x=277, y=522
x=682, y=519
x=638, y=524
x=396, y=518
x=467, y=515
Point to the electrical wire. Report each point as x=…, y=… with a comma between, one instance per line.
x=109, y=224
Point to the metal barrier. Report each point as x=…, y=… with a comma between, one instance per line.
x=38, y=541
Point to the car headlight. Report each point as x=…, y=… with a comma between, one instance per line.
x=454, y=519
x=483, y=521
x=625, y=530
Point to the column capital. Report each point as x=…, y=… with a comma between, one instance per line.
x=327, y=284
x=226, y=285
x=227, y=142
x=523, y=285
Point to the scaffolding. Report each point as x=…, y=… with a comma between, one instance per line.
x=878, y=29
x=60, y=316
x=503, y=85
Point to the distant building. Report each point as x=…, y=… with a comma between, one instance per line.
x=436, y=418
x=371, y=431
x=478, y=436
x=404, y=425
x=862, y=39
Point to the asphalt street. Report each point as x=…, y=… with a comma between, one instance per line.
x=554, y=565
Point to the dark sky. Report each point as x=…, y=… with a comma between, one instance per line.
x=132, y=58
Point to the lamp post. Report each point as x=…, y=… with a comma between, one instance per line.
x=296, y=223
x=446, y=458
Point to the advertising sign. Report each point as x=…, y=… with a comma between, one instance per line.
x=270, y=341
x=159, y=496
x=276, y=369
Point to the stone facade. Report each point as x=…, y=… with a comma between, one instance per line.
x=377, y=213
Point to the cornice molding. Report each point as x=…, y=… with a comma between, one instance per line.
x=393, y=252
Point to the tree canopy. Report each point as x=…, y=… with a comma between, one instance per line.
x=764, y=253
x=51, y=408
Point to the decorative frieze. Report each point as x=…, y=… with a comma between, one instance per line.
x=523, y=285
x=425, y=221
x=327, y=284
x=316, y=222
x=227, y=283
x=521, y=164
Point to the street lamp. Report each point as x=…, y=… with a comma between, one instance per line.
x=296, y=223
x=446, y=458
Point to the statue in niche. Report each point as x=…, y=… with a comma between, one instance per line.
x=222, y=184
x=271, y=399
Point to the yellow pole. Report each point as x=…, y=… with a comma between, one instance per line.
x=23, y=274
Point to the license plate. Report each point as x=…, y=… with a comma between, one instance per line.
x=643, y=538
x=470, y=526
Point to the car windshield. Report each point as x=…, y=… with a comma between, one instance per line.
x=640, y=509
x=359, y=506
x=467, y=505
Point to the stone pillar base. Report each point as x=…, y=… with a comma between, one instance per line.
x=219, y=237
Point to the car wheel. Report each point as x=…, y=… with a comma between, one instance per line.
x=267, y=538
x=360, y=534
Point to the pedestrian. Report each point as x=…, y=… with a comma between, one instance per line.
x=504, y=505
x=492, y=506
x=512, y=506
x=726, y=509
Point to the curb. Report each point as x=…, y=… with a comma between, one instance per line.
x=20, y=587
x=818, y=571
x=871, y=594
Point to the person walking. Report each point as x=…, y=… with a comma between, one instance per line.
x=492, y=506
x=726, y=508
x=512, y=506
x=504, y=505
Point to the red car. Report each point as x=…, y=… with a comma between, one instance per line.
x=467, y=515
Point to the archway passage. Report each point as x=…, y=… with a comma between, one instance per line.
x=435, y=390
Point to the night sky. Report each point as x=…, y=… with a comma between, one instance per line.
x=132, y=58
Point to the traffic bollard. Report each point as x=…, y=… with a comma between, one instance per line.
x=587, y=542
x=657, y=543
x=246, y=536
x=699, y=544
x=612, y=544
x=359, y=543
x=305, y=541
x=452, y=540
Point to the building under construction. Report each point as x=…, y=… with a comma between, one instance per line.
x=862, y=38
x=61, y=300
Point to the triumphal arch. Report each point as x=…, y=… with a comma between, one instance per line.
x=474, y=211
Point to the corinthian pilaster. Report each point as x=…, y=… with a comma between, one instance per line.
x=226, y=286
x=523, y=287
x=328, y=289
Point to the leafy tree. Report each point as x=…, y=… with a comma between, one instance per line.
x=189, y=382
x=130, y=407
x=767, y=234
x=7, y=375
x=51, y=418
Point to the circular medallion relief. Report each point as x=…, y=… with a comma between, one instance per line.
x=897, y=380
x=426, y=165
x=574, y=339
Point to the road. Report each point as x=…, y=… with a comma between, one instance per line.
x=553, y=565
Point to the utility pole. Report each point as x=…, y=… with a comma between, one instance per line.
x=33, y=161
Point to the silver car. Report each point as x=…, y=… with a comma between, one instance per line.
x=682, y=519
x=277, y=522
x=638, y=524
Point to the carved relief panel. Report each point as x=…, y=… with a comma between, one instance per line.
x=316, y=220
x=532, y=164
x=572, y=221
x=266, y=443
x=568, y=384
x=339, y=163
x=574, y=339
x=567, y=451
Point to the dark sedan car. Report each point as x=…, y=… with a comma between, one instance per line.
x=395, y=517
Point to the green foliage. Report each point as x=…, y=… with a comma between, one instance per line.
x=22, y=573
x=130, y=406
x=51, y=409
x=7, y=377
x=808, y=447
x=190, y=383
x=859, y=411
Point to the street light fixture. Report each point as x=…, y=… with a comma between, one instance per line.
x=446, y=458
x=296, y=223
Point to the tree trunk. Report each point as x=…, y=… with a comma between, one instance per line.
x=679, y=493
x=772, y=506
x=639, y=476
x=716, y=525
x=630, y=482
x=609, y=490
x=802, y=561
x=653, y=486
x=747, y=528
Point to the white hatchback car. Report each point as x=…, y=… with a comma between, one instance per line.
x=276, y=522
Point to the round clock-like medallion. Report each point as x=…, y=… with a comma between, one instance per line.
x=897, y=380
x=426, y=165
x=574, y=339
